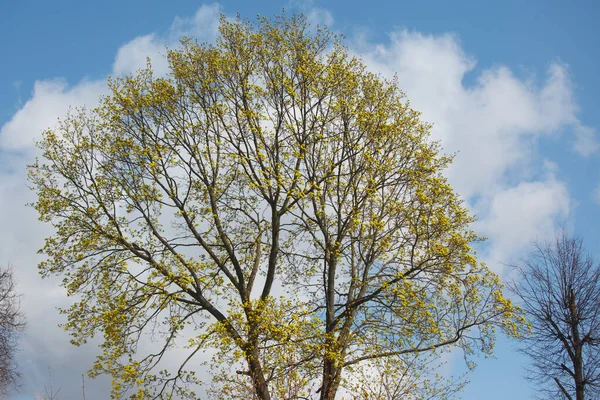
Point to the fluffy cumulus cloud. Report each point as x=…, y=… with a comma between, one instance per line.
x=521, y=213
x=45, y=348
x=53, y=98
x=135, y=54
x=585, y=142
x=494, y=125
x=316, y=16
x=50, y=100
x=492, y=122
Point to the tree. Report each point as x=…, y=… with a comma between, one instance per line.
x=50, y=393
x=12, y=323
x=559, y=286
x=272, y=200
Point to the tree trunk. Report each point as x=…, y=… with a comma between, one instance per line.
x=328, y=386
x=579, y=383
x=326, y=382
x=257, y=375
x=577, y=346
x=331, y=380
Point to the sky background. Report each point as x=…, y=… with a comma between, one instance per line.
x=511, y=87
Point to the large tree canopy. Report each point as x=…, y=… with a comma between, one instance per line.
x=274, y=201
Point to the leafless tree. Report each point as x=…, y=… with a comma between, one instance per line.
x=50, y=393
x=12, y=322
x=559, y=286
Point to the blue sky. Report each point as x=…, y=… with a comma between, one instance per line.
x=513, y=87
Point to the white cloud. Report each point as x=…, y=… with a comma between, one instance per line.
x=316, y=16
x=585, y=142
x=203, y=25
x=50, y=100
x=519, y=214
x=45, y=345
x=133, y=56
x=494, y=125
x=319, y=17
